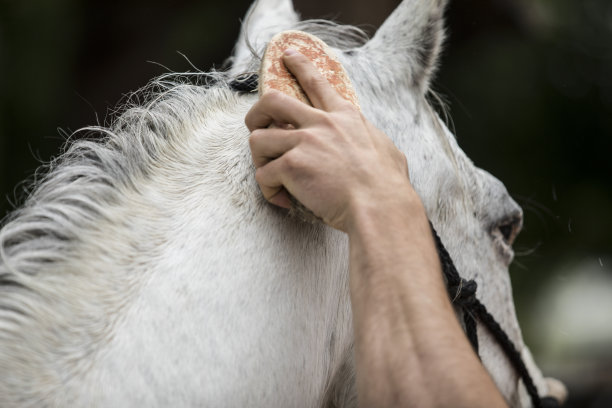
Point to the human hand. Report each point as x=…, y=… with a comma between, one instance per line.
x=328, y=156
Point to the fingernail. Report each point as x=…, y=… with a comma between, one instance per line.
x=281, y=199
x=290, y=51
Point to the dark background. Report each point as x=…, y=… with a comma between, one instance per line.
x=529, y=86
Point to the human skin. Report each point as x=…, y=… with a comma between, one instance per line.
x=410, y=350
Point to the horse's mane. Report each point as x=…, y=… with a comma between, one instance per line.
x=98, y=165
x=58, y=296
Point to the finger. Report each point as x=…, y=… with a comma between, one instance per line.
x=276, y=107
x=281, y=199
x=268, y=144
x=269, y=179
x=317, y=88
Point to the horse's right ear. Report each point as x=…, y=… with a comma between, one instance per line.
x=264, y=19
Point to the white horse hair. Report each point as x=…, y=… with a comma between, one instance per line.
x=146, y=269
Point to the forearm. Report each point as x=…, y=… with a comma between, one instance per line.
x=410, y=348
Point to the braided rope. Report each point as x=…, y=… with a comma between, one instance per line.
x=463, y=293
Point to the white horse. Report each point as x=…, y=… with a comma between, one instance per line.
x=146, y=269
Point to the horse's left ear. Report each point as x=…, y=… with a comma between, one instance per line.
x=408, y=43
x=264, y=19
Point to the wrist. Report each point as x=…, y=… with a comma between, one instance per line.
x=388, y=214
x=388, y=234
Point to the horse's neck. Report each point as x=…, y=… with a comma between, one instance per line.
x=222, y=284
x=169, y=295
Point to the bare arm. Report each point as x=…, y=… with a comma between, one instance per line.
x=410, y=349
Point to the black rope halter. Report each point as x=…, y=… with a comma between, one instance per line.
x=244, y=83
x=463, y=294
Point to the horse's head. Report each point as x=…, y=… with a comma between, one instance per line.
x=474, y=214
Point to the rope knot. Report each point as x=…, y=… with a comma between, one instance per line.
x=463, y=293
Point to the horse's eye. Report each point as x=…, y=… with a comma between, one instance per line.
x=506, y=231
x=509, y=228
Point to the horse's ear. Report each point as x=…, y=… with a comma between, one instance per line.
x=264, y=19
x=408, y=43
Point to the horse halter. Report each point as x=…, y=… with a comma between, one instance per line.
x=463, y=294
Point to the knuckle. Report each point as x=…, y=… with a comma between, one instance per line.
x=249, y=120
x=292, y=162
x=259, y=176
x=308, y=136
x=314, y=81
x=348, y=107
x=271, y=98
x=255, y=135
x=255, y=138
x=329, y=120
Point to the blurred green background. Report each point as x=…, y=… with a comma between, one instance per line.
x=529, y=87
